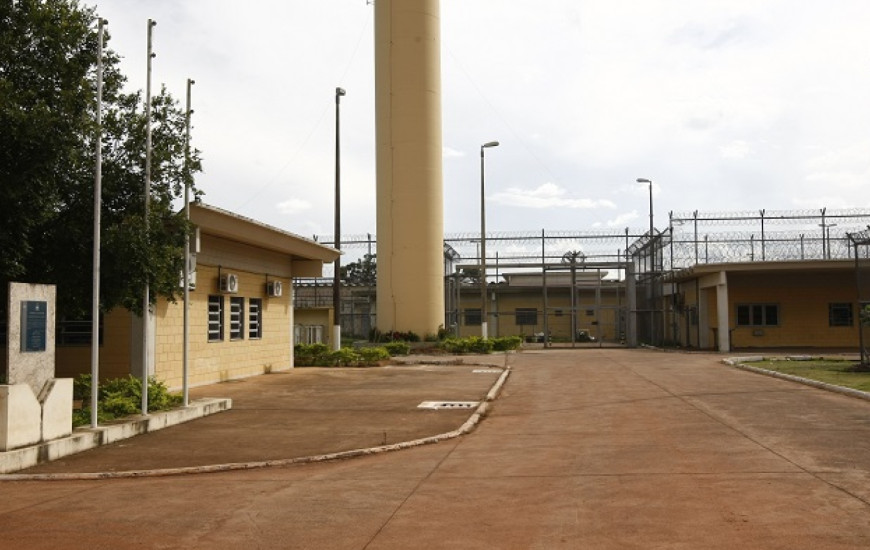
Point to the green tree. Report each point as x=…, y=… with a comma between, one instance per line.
x=362, y=272
x=48, y=115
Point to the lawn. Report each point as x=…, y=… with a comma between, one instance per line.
x=836, y=372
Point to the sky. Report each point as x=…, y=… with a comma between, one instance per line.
x=726, y=105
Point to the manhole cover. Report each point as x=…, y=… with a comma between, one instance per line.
x=446, y=405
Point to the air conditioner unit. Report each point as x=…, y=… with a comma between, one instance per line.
x=274, y=289
x=230, y=283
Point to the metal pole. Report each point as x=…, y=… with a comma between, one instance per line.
x=98, y=206
x=146, y=300
x=544, y=287
x=822, y=225
x=336, y=281
x=861, y=350
x=186, y=347
x=483, y=324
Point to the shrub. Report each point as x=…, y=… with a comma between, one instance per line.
x=473, y=344
x=310, y=354
x=344, y=357
x=371, y=356
x=507, y=343
x=377, y=336
x=397, y=348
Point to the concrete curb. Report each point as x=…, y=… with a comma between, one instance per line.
x=739, y=362
x=466, y=428
x=83, y=439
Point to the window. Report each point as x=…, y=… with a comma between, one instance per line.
x=757, y=315
x=527, y=316
x=215, y=318
x=472, y=316
x=840, y=315
x=76, y=332
x=255, y=318
x=237, y=318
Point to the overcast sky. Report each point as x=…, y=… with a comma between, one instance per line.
x=725, y=104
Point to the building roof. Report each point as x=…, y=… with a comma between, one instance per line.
x=803, y=266
x=215, y=221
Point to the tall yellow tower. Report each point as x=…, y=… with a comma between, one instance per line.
x=410, y=204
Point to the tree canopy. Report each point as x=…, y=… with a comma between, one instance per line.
x=48, y=59
x=362, y=272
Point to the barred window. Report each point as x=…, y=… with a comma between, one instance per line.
x=757, y=315
x=840, y=315
x=75, y=331
x=526, y=316
x=472, y=316
x=215, y=318
x=237, y=318
x=255, y=318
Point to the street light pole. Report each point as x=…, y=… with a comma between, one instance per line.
x=644, y=180
x=336, y=281
x=483, y=324
x=652, y=255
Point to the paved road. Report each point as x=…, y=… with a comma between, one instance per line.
x=584, y=449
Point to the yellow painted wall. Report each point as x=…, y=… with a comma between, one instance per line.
x=218, y=361
x=559, y=308
x=803, y=300
x=114, y=351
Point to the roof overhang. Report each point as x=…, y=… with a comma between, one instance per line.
x=220, y=223
x=800, y=266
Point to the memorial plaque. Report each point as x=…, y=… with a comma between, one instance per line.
x=34, y=317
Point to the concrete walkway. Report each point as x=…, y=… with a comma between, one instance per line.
x=583, y=449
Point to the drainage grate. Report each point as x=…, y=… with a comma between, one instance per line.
x=486, y=371
x=446, y=405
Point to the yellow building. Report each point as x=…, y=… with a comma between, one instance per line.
x=241, y=314
x=787, y=304
x=528, y=304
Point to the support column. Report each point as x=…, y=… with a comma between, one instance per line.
x=722, y=310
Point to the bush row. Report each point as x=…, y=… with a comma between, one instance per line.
x=476, y=344
x=319, y=355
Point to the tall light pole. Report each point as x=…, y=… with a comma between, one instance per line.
x=483, y=333
x=336, y=281
x=652, y=253
x=644, y=180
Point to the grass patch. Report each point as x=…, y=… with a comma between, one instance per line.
x=831, y=371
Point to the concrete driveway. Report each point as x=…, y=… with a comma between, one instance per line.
x=583, y=449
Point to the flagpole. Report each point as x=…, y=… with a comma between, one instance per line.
x=146, y=301
x=98, y=205
x=186, y=278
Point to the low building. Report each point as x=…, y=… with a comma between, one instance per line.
x=779, y=304
x=241, y=313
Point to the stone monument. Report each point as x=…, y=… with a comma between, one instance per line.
x=34, y=405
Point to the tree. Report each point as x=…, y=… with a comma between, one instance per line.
x=363, y=272
x=48, y=113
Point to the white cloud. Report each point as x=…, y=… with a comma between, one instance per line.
x=737, y=149
x=293, y=206
x=548, y=195
x=623, y=219
x=450, y=153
